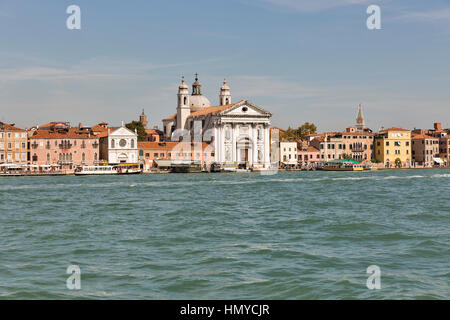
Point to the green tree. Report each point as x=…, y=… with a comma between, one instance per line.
x=305, y=129
x=300, y=133
x=142, y=135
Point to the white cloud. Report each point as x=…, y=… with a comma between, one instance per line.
x=309, y=5
x=443, y=14
x=265, y=86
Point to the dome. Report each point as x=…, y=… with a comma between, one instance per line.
x=197, y=102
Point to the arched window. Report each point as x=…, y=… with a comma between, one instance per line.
x=132, y=143
x=113, y=143
x=48, y=157
x=95, y=156
x=83, y=157
x=185, y=100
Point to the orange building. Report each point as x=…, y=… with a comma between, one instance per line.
x=150, y=153
x=13, y=144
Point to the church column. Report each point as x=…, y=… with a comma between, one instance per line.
x=266, y=150
x=216, y=143
x=255, y=144
x=234, y=141
x=222, y=144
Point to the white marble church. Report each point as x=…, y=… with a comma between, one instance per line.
x=240, y=131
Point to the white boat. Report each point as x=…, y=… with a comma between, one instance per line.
x=95, y=170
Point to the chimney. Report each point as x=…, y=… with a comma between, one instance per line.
x=80, y=125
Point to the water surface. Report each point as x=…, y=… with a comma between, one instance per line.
x=293, y=235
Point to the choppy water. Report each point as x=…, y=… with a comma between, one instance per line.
x=294, y=235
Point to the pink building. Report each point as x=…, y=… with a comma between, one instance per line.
x=307, y=155
x=60, y=146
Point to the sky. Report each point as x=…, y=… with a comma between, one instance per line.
x=301, y=60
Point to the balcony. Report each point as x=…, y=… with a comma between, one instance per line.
x=65, y=162
x=65, y=145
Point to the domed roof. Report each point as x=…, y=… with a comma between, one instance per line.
x=197, y=102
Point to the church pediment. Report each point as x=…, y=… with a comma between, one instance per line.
x=122, y=131
x=246, y=108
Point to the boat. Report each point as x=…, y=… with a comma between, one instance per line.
x=128, y=168
x=95, y=170
x=369, y=167
x=346, y=165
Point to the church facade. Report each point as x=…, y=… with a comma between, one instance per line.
x=238, y=132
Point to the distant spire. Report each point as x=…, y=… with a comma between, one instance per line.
x=360, y=124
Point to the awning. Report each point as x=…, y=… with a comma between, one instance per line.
x=163, y=163
x=438, y=160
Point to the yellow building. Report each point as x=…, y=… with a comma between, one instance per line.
x=393, y=147
x=13, y=144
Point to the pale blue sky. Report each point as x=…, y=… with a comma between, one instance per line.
x=301, y=60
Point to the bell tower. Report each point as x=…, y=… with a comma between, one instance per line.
x=183, y=110
x=360, y=123
x=225, y=95
x=143, y=119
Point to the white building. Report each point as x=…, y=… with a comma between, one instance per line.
x=122, y=146
x=288, y=153
x=239, y=132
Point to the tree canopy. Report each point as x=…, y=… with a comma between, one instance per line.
x=299, y=133
x=142, y=135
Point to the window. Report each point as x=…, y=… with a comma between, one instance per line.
x=397, y=143
x=155, y=155
x=387, y=143
x=113, y=143
x=132, y=143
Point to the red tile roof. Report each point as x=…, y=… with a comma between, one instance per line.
x=422, y=136
x=9, y=127
x=72, y=133
x=394, y=129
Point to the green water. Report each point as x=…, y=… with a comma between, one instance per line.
x=293, y=235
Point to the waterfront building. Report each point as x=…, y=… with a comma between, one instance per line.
x=444, y=149
x=13, y=144
x=119, y=145
x=444, y=141
x=348, y=144
x=307, y=155
x=238, y=131
x=393, y=147
x=60, y=146
x=425, y=150
x=288, y=154
x=153, y=154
